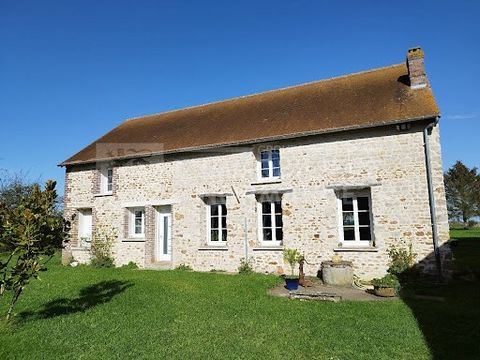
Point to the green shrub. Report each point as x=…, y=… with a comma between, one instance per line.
x=184, y=267
x=401, y=259
x=245, y=267
x=131, y=265
x=102, y=242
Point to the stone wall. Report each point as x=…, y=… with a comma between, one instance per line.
x=389, y=163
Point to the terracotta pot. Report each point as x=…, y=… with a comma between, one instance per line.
x=384, y=291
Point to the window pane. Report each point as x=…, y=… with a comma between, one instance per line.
x=348, y=219
x=278, y=207
x=224, y=222
x=224, y=235
x=362, y=203
x=213, y=210
x=266, y=208
x=365, y=233
x=214, y=235
x=278, y=220
x=265, y=173
x=224, y=209
x=267, y=221
x=264, y=155
x=279, y=234
x=276, y=171
x=267, y=234
x=347, y=204
x=214, y=222
x=364, y=218
x=348, y=234
x=275, y=154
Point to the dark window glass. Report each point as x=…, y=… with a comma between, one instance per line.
x=266, y=208
x=279, y=234
x=276, y=171
x=214, y=235
x=264, y=172
x=364, y=218
x=348, y=234
x=224, y=209
x=347, y=204
x=224, y=235
x=214, y=210
x=278, y=220
x=267, y=221
x=278, y=207
x=214, y=222
x=264, y=155
x=362, y=203
x=224, y=222
x=348, y=218
x=267, y=234
x=365, y=233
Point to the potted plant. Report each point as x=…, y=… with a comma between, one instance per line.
x=291, y=256
x=386, y=286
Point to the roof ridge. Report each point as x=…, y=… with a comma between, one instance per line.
x=261, y=93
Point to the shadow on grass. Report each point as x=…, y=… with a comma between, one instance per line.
x=448, y=314
x=88, y=298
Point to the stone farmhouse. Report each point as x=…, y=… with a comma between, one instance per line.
x=348, y=165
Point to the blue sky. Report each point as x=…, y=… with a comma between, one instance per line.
x=72, y=70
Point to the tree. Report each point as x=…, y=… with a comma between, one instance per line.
x=462, y=188
x=34, y=232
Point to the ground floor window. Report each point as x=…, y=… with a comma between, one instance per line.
x=355, y=219
x=216, y=220
x=270, y=220
x=137, y=222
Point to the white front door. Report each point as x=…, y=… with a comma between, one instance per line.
x=163, y=239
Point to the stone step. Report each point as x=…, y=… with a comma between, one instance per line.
x=159, y=265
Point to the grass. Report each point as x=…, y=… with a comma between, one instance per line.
x=89, y=313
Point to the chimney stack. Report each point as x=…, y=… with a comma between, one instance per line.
x=416, y=68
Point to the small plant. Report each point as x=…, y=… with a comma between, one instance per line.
x=184, y=267
x=131, y=265
x=401, y=259
x=292, y=257
x=245, y=267
x=388, y=281
x=101, y=251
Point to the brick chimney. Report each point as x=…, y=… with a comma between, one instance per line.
x=416, y=68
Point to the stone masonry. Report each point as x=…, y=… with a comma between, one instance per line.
x=388, y=163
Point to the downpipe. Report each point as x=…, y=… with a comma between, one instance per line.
x=431, y=196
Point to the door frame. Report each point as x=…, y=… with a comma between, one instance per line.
x=160, y=214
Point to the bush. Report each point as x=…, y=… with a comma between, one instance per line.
x=401, y=259
x=102, y=242
x=245, y=267
x=131, y=265
x=184, y=267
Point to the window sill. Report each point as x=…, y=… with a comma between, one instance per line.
x=268, y=248
x=103, y=194
x=213, y=248
x=356, y=249
x=267, y=181
x=139, y=239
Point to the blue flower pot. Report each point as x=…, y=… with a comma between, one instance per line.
x=291, y=284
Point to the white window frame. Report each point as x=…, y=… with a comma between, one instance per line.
x=84, y=241
x=132, y=222
x=270, y=163
x=216, y=201
x=272, y=199
x=106, y=180
x=357, y=242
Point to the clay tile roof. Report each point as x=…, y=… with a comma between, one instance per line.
x=367, y=99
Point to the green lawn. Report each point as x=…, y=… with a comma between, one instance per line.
x=92, y=313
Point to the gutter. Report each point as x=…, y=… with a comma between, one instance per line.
x=431, y=195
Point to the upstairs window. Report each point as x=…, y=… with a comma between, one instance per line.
x=270, y=164
x=217, y=221
x=106, y=180
x=356, y=220
x=271, y=221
